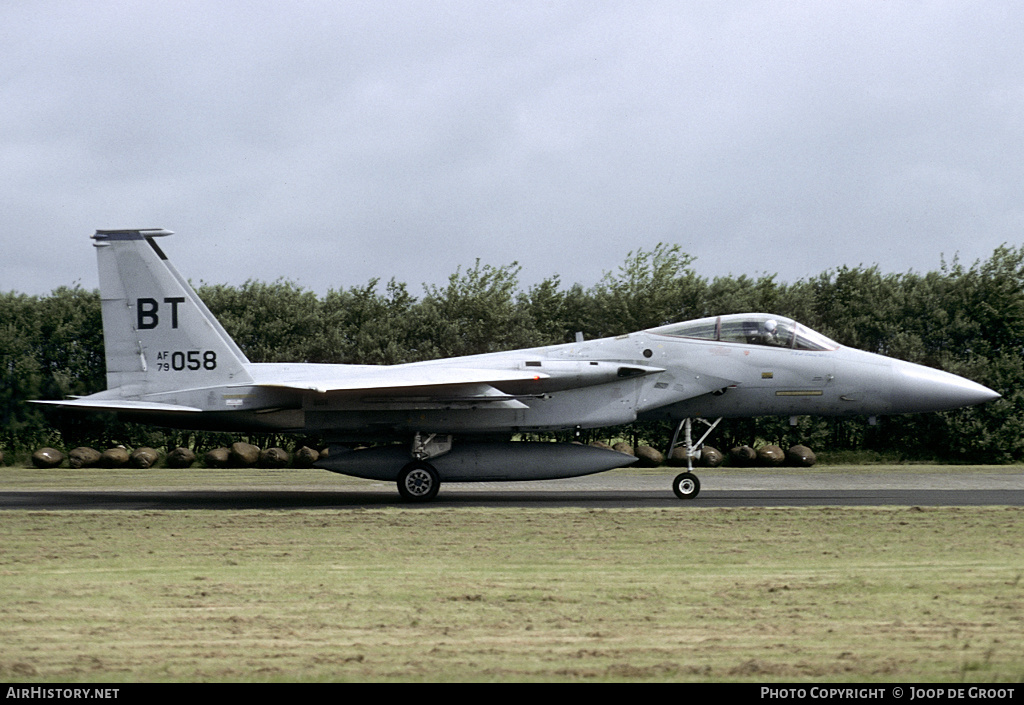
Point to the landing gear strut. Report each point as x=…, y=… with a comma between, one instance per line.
x=686, y=485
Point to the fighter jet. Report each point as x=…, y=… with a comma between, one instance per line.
x=170, y=363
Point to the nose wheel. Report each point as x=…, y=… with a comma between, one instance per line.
x=686, y=485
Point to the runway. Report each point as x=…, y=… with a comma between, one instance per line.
x=989, y=487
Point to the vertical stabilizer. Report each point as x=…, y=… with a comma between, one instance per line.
x=158, y=335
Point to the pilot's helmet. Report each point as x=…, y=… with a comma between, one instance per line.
x=770, y=325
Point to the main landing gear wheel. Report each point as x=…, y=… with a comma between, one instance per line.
x=418, y=482
x=686, y=485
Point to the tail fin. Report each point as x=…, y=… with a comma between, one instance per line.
x=159, y=336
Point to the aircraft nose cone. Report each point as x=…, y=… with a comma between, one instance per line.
x=917, y=388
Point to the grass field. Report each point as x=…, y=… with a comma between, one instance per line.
x=485, y=594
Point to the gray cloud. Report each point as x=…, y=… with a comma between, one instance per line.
x=333, y=144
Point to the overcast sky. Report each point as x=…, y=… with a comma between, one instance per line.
x=329, y=143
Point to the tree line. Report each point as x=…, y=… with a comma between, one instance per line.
x=968, y=320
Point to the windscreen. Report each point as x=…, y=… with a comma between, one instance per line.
x=751, y=329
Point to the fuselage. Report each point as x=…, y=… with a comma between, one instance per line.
x=663, y=373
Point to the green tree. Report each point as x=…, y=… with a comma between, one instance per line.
x=479, y=311
x=21, y=373
x=650, y=289
x=557, y=314
x=742, y=294
x=968, y=320
x=276, y=322
x=359, y=326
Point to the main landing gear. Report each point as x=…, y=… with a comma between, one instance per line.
x=418, y=481
x=686, y=485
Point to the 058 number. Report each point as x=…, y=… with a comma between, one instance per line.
x=193, y=360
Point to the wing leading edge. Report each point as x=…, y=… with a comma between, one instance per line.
x=384, y=379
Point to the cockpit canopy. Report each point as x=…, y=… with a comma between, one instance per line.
x=750, y=329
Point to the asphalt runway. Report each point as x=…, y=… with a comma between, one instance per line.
x=619, y=490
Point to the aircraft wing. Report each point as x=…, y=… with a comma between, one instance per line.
x=417, y=387
x=534, y=377
x=386, y=379
x=414, y=386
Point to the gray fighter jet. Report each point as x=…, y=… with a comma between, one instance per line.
x=170, y=363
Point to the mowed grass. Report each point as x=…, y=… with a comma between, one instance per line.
x=437, y=593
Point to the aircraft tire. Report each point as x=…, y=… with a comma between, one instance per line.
x=686, y=485
x=418, y=482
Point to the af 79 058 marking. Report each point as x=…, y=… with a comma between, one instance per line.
x=193, y=360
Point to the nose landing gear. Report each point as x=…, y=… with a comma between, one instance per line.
x=686, y=485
